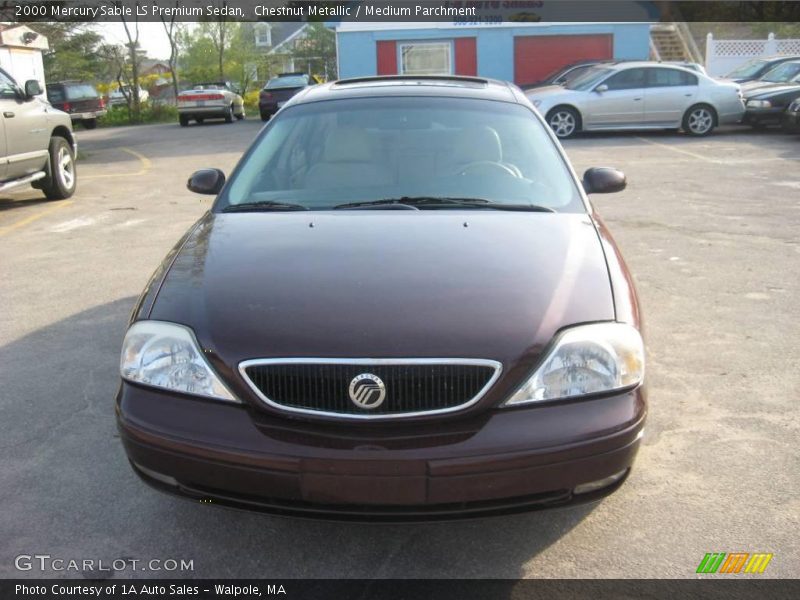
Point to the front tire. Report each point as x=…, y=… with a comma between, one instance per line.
x=699, y=120
x=62, y=177
x=564, y=121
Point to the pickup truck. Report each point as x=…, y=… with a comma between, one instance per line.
x=37, y=145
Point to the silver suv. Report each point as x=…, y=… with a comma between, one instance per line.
x=36, y=141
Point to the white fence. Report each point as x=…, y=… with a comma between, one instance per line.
x=723, y=56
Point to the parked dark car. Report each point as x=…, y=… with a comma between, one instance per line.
x=785, y=72
x=756, y=68
x=565, y=74
x=400, y=305
x=766, y=104
x=279, y=90
x=791, y=119
x=79, y=100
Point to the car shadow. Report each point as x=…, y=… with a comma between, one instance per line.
x=67, y=489
x=10, y=203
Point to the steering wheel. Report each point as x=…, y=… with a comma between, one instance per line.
x=486, y=166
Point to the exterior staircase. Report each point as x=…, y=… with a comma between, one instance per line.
x=673, y=42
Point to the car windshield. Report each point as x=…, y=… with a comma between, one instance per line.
x=287, y=82
x=588, y=78
x=77, y=92
x=324, y=154
x=748, y=69
x=785, y=72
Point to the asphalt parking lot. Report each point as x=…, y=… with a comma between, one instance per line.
x=709, y=228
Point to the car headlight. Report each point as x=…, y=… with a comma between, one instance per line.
x=167, y=356
x=759, y=103
x=586, y=359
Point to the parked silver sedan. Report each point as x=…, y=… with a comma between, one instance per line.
x=639, y=95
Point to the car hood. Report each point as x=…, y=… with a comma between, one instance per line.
x=773, y=89
x=470, y=284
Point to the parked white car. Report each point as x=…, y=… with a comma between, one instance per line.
x=117, y=97
x=215, y=100
x=639, y=95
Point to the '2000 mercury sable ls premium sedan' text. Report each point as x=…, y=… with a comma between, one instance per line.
x=400, y=305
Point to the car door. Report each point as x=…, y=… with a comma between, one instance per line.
x=26, y=133
x=668, y=94
x=8, y=102
x=617, y=101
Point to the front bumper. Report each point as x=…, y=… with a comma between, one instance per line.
x=764, y=116
x=497, y=462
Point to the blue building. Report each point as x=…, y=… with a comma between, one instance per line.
x=519, y=52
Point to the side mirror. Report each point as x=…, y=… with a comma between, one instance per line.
x=601, y=88
x=206, y=181
x=32, y=88
x=603, y=180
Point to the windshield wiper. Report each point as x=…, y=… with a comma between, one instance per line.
x=438, y=202
x=263, y=206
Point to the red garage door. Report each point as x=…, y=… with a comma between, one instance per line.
x=535, y=57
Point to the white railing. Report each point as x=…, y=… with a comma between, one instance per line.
x=723, y=56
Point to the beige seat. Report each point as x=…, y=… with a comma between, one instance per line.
x=478, y=145
x=347, y=161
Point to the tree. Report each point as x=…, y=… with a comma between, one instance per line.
x=315, y=51
x=74, y=51
x=220, y=31
x=198, y=56
x=173, y=35
x=243, y=57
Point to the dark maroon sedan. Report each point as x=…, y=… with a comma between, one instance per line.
x=279, y=90
x=401, y=305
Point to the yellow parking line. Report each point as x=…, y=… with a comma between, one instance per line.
x=143, y=161
x=34, y=217
x=678, y=150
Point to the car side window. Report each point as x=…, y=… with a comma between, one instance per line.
x=8, y=89
x=55, y=94
x=669, y=78
x=626, y=80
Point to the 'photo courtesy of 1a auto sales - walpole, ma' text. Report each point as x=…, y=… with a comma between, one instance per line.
x=400, y=300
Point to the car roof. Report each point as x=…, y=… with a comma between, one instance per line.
x=446, y=86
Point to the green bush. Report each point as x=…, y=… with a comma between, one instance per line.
x=118, y=116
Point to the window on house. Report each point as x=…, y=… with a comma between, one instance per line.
x=425, y=58
x=263, y=35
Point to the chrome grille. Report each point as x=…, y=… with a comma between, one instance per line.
x=413, y=386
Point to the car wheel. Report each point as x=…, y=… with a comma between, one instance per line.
x=62, y=177
x=89, y=123
x=229, y=114
x=564, y=121
x=200, y=120
x=183, y=120
x=264, y=116
x=240, y=116
x=699, y=120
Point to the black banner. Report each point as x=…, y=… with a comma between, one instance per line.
x=739, y=587
x=467, y=12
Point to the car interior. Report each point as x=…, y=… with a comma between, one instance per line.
x=393, y=153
